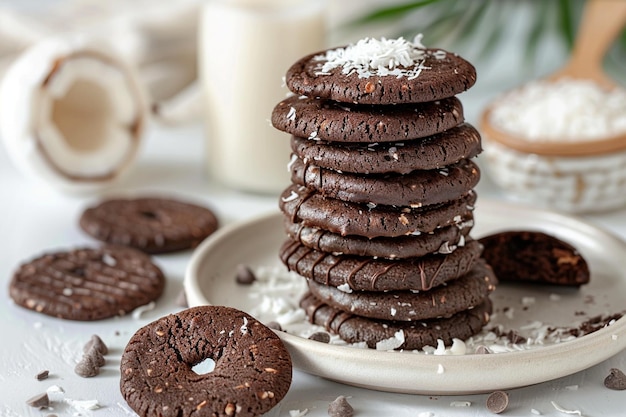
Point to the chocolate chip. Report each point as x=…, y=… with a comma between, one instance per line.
x=96, y=342
x=615, y=380
x=87, y=367
x=340, y=408
x=95, y=355
x=482, y=350
x=274, y=325
x=320, y=337
x=39, y=401
x=244, y=275
x=42, y=375
x=497, y=401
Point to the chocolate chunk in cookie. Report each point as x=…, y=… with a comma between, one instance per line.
x=370, y=274
x=532, y=256
x=87, y=284
x=400, y=335
x=344, y=122
x=357, y=74
x=252, y=371
x=153, y=225
x=460, y=294
x=417, y=189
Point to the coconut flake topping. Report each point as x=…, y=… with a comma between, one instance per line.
x=396, y=57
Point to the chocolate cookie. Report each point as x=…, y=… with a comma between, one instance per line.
x=344, y=122
x=252, y=370
x=417, y=189
x=154, y=225
x=433, y=152
x=87, y=284
x=311, y=209
x=532, y=256
x=371, y=274
x=436, y=75
x=458, y=295
x=414, y=335
x=441, y=240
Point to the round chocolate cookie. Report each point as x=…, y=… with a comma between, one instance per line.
x=252, y=370
x=460, y=294
x=87, y=284
x=441, y=240
x=532, y=256
x=154, y=225
x=433, y=152
x=438, y=75
x=417, y=189
x=311, y=209
x=414, y=335
x=371, y=274
x=344, y=122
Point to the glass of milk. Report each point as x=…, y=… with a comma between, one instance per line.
x=246, y=46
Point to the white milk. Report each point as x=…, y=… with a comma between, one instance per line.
x=246, y=46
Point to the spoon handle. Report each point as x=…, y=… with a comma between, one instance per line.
x=601, y=22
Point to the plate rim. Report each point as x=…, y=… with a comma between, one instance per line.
x=304, y=352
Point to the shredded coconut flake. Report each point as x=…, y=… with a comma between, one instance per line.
x=568, y=110
x=392, y=343
x=380, y=57
x=138, y=312
x=345, y=288
x=564, y=410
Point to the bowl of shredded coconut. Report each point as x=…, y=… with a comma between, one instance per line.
x=559, y=144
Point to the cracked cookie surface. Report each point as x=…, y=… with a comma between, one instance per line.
x=252, y=370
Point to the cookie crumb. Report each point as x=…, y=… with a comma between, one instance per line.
x=244, y=275
x=497, y=402
x=42, y=375
x=39, y=401
x=97, y=342
x=616, y=380
x=340, y=408
x=322, y=337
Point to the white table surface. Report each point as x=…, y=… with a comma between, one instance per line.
x=34, y=219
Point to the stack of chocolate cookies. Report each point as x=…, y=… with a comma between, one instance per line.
x=381, y=203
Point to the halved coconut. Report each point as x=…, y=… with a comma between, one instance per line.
x=72, y=114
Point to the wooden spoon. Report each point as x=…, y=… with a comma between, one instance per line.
x=601, y=22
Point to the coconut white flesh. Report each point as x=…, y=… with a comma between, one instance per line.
x=85, y=123
x=71, y=115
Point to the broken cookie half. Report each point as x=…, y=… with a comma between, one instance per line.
x=72, y=114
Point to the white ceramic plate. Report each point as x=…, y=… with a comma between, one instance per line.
x=210, y=280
